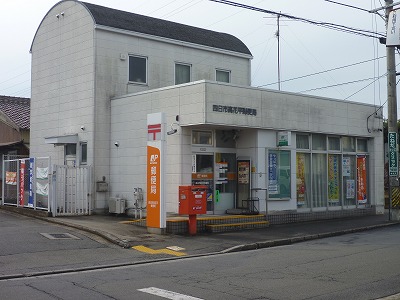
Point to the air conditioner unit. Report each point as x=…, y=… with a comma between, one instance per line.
x=116, y=205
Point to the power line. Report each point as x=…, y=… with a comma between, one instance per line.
x=347, y=5
x=338, y=84
x=321, y=72
x=333, y=26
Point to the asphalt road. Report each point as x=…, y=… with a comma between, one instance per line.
x=354, y=266
x=27, y=249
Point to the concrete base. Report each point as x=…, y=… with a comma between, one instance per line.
x=157, y=230
x=379, y=209
x=395, y=215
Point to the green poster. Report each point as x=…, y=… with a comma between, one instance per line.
x=333, y=178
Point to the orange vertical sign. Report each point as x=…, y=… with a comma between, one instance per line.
x=361, y=180
x=153, y=187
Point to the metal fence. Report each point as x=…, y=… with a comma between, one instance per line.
x=72, y=190
x=26, y=182
x=34, y=183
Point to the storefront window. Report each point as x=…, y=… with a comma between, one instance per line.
x=278, y=174
x=349, y=144
x=349, y=179
x=302, y=141
x=319, y=180
x=225, y=138
x=362, y=180
x=334, y=143
x=362, y=145
x=303, y=182
x=334, y=180
x=318, y=142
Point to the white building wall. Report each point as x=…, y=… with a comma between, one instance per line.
x=129, y=128
x=194, y=102
x=62, y=79
x=112, y=71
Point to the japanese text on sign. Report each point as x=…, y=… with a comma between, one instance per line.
x=393, y=160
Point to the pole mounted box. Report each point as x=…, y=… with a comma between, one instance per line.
x=192, y=199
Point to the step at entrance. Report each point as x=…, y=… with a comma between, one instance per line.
x=236, y=226
x=179, y=225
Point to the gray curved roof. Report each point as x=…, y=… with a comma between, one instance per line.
x=138, y=23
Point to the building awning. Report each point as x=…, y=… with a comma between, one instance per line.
x=62, y=139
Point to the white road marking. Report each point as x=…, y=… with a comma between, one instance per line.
x=167, y=294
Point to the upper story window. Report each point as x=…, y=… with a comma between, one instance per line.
x=182, y=73
x=138, y=69
x=83, y=153
x=223, y=76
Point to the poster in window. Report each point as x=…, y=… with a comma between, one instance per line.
x=272, y=173
x=361, y=180
x=11, y=178
x=346, y=167
x=333, y=178
x=350, y=189
x=301, y=178
x=243, y=172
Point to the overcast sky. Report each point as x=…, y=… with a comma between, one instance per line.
x=305, y=49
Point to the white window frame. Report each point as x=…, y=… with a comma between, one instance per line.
x=147, y=69
x=183, y=64
x=225, y=71
x=81, y=145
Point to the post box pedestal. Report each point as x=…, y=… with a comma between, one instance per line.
x=192, y=224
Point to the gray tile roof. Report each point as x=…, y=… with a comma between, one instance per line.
x=138, y=23
x=17, y=109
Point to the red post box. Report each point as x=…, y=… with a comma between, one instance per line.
x=192, y=201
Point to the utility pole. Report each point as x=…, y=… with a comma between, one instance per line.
x=392, y=107
x=279, y=52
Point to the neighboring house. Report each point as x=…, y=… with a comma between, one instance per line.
x=98, y=72
x=14, y=128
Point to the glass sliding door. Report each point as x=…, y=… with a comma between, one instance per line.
x=334, y=181
x=203, y=174
x=303, y=180
x=319, y=180
x=349, y=180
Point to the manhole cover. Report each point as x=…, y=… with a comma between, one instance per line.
x=60, y=236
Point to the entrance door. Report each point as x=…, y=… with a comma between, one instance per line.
x=203, y=174
x=225, y=182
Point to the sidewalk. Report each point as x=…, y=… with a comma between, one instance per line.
x=120, y=231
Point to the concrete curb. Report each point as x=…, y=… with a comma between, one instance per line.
x=293, y=240
x=105, y=235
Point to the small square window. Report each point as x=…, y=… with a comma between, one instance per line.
x=349, y=144
x=223, y=76
x=362, y=145
x=334, y=143
x=318, y=142
x=182, y=73
x=302, y=141
x=138, y=69
x=201, y=137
